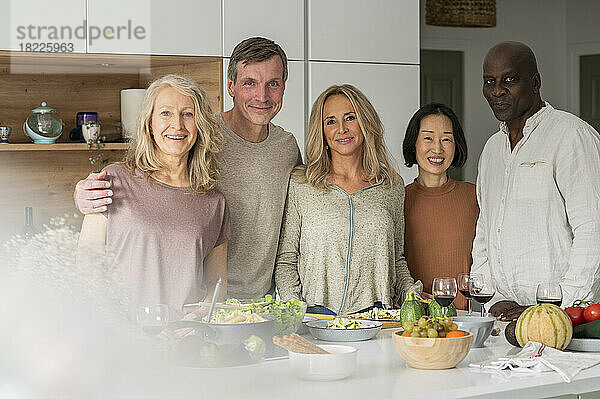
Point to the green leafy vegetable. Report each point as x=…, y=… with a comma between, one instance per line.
x=255, y=347
x=287, y=314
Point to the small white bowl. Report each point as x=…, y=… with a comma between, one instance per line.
x=481, y=327
x=339, y=363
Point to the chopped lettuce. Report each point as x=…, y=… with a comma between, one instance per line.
x=347, y=324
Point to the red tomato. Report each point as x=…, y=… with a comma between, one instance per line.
x=592, y=312
x=576, y=315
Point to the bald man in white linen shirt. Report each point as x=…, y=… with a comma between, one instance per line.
x=538, y=189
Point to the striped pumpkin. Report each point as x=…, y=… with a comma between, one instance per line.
x=545, y=323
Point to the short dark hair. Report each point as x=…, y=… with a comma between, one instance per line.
x=252, y=50
x=412, y=132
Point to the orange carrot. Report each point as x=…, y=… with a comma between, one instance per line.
x=455, y=334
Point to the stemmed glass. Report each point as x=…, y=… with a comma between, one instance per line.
x=444, y=291
x=152, y=319
x=482, y=290
x=463, y=281
x=549, y=293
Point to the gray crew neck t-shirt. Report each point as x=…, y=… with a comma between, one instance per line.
x=161, y=234
x=254, y=180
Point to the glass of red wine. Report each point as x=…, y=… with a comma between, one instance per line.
x=549, y=293
x=482, y=290
x=152, y=319
x=444, y=291
x=463, y=281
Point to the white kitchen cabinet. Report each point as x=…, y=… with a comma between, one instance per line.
x=181, y=27
x=364, y=31
x=33, y=25
x=291, y=116
x=281, y=21
x=392, y=89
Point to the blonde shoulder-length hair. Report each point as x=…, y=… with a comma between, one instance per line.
x=376, y=160
x=204, y=156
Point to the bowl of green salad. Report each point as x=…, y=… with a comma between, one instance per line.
x=343, y=329
x=288, y=315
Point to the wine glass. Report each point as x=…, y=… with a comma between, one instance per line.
x=152, y=319
x=549, y=293
x=444, y=291
x=463, y=280
x=482, y=290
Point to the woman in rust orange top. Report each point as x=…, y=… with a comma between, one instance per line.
x=440, y=213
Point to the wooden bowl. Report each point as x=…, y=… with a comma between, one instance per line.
x=432, y=353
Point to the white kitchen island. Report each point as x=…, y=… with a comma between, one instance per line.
x=382, y=373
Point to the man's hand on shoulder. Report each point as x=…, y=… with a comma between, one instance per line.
x=92, y=195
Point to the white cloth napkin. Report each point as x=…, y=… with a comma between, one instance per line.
x=536, y=358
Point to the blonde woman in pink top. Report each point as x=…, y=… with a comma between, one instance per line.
x=168, y=226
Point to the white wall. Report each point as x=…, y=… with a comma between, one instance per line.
x=583, y=21
x=541, y=24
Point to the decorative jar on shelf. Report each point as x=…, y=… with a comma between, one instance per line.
x=5, y=133
x=42, y=126
x=90, y=131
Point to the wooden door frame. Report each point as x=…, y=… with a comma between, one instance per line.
x=575, y=51
x=464, y=46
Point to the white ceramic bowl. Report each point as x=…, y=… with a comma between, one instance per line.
x=302, y=328
x=481, y=327
x=319, y=330
x=339, y=363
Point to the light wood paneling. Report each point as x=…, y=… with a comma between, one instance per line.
x=27, y=79
x=92, y=63
x=68, y=94
x=204, y=74
x=44, y=180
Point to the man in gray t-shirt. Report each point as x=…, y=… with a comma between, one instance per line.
x=258, y=158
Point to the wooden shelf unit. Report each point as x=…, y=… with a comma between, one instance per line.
x=60, y=147
x=44, y=175
x=71, y=83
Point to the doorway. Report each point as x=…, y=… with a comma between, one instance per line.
x=442, y=82
x=589, y=89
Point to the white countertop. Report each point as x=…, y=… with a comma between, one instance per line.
x=382, y=373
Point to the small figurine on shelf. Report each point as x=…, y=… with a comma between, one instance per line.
x=91, y=134
x=4, y=133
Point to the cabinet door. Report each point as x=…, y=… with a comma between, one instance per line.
x=291, y=116
x=359, y=30
x=51, y=26
x=392, y=89
x=281, y=21
x=183, y=27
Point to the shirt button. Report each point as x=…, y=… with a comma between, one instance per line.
x=503, y=200
x=507, y=170
x=498, y=229
x=498, y=260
